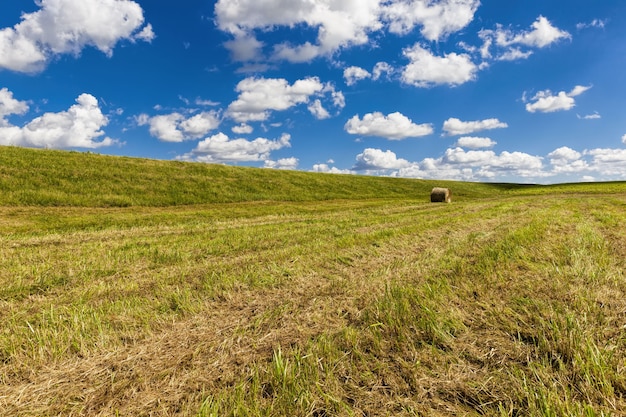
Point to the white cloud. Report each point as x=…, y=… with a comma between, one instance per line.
x=381, y=68
x=200, y=124
x=565, y=163
x=427, y=70
x=9, y=105
x=175, y=127
x=201, y=102
x=259, y=96
x=437, y=18
x=245, y=48
x=541, y=35
x=513, y=54
x=473, y=142
x=563, y=154
x=546, y=102
x=454, y=126
x=284, y=163
x=325, y=168
x=338, y=23
x=146, y=34
x=456, y=163
x=592, y=116
x=394, y=126
x=242, y=129
x=567, y=160
x=378, y=160
x=78, y=127
x=67, y=27
x=220, y=148
x=354, y=74
x=624, y=139
x=595, y=23
x=608, y=163
x=318, y=111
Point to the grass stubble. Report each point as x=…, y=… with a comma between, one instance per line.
x=497, y=306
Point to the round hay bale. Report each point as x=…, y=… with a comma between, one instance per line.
x=440, y=195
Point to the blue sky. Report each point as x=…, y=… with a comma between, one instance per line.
x=524, y=91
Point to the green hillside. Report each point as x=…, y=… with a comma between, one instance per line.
x=330, y=295
x=60, y=178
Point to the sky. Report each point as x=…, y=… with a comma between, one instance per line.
x=528, y=91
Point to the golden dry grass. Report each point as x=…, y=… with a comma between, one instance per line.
x=512, y=306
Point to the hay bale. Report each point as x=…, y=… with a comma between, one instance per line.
x=440, y=195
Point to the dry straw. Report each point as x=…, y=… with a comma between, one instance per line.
x=440, y=195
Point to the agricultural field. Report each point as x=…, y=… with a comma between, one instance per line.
x=146, y=288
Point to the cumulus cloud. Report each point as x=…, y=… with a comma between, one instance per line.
x=259, y=96
x=567, y=160
x=318, y=111
x=454, y=126
x=78, y=127
x=382, y=68
x=437, y=19
x=284, y=163
x=175, y=127
x=474, y=142
x=394, y=126
x=377, y=160
x=428, y=70
x=541, y=35
x=592, y=116
x=327, y=169
x=354, y=74
x=456, y=163
x=564, y=154
x=67, y=27
x=546, y=102
x=609, y=163
x=9, y=105
x=242, y=129
x=338, y=23
x=220, y=148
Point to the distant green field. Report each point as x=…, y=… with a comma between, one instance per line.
x=58, y=178
x=134, y=287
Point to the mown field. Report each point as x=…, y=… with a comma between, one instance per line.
x=145, y=288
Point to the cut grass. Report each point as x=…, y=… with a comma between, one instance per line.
x=504, y=305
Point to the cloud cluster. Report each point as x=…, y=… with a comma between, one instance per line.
x=546, y=102
x=220, y=148
x=339, y=24
x=394, y=126
x=259, y=96
x=175, y=127
x=437, y=19
x=454, y=126
x=354, y=74
x=486, y=165
x=9, y=105
x=78, y=127
x=426, y=69
x=508, y=43
x=67, y=27
x=344, y=24
x=474, y=142
x=456, y=163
